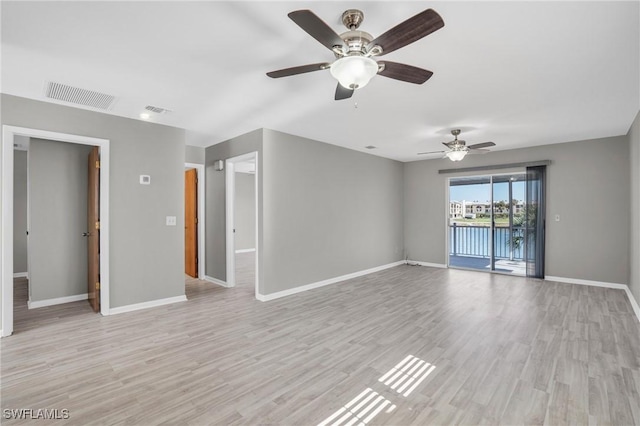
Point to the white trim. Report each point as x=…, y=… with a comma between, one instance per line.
x=56, y=301
x=146, y=305
x=229, y=202
x=201, y=217
x=634, y=303
x=428, y=264
x=20, y=275
x=279, y=294
x=245, y=250
x=6, y=243
x=230, y=183
x=215, y=281
x=6, y=246
x=632, y=300
x=585, y=282
x=256, y=188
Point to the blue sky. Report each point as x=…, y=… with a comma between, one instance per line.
x=482, y=192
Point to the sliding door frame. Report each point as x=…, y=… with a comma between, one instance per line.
x=492, y=219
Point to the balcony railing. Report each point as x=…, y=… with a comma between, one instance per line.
x=476, y=241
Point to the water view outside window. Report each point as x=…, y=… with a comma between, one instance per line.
x=486, y=218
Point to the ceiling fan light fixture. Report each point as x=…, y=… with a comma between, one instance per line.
x=354, y=72
x=456, y=155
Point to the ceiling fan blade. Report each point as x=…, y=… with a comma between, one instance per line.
x=299, y=70
x=343, y=93
x=478, y=151
x=481, y=145
x=413, y=29
x=431, y=152
x=404, y=72
x=316, y=28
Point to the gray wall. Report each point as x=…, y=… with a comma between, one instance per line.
x=245, y=220
x=634, y=252
x=19, y=211
x=58, y=185
x=147, y=257
x=587, y=185
x=194, y=154
x=215, y=240
x=328, y=211
x=324, y=211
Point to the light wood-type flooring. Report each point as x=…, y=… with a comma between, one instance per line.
x=407, y=345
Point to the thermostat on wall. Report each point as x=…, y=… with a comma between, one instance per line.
x=145, y=180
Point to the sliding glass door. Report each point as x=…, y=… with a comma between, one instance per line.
x=486, y=223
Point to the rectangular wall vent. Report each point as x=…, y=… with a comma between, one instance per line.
x=78, y=96
x=157, y=110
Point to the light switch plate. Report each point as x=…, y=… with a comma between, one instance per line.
x=557, y=218
x=171, y=221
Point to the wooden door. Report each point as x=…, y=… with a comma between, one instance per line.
x=191, y=223
x=93, y=229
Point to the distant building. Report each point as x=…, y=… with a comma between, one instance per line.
x=471, y=209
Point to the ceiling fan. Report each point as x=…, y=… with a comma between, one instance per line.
x=458, y=148
x=355, y=50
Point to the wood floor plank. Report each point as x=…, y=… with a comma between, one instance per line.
x=503, y=350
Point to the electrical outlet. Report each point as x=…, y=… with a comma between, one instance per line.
x=171, y=221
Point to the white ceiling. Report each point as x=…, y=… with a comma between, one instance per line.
x=517, y=73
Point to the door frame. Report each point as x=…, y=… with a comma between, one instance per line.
x=201, y=202
x=491, y=227
x=6, y=245
x=230, y=208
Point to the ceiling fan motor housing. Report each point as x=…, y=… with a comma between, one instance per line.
x=352, y=18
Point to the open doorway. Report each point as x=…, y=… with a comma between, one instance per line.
x=10, y=136
x=242, y=222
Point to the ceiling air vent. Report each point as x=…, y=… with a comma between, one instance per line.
x=157, y=110
x=78, y=96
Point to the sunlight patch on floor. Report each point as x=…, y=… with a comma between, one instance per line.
x=407, y=375
x=360, y=410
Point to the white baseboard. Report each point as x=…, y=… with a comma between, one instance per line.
x=145, y=305
x=21, y=275
x=634, y=303
x=585, y=282
x=429, y=264
x=215, y=281
x=289, y=292
x=245, y=250
x=56, y=301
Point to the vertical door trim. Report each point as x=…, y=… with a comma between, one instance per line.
x=230, y=186
x=6, y=244
x=230, y=208
x=201, y=218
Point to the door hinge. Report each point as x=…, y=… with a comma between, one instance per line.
x=196, y=220
x=98, y=225
x=98, y=286
x=97, y=164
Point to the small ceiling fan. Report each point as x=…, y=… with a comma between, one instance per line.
x=355, y=50
x=458, y=148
